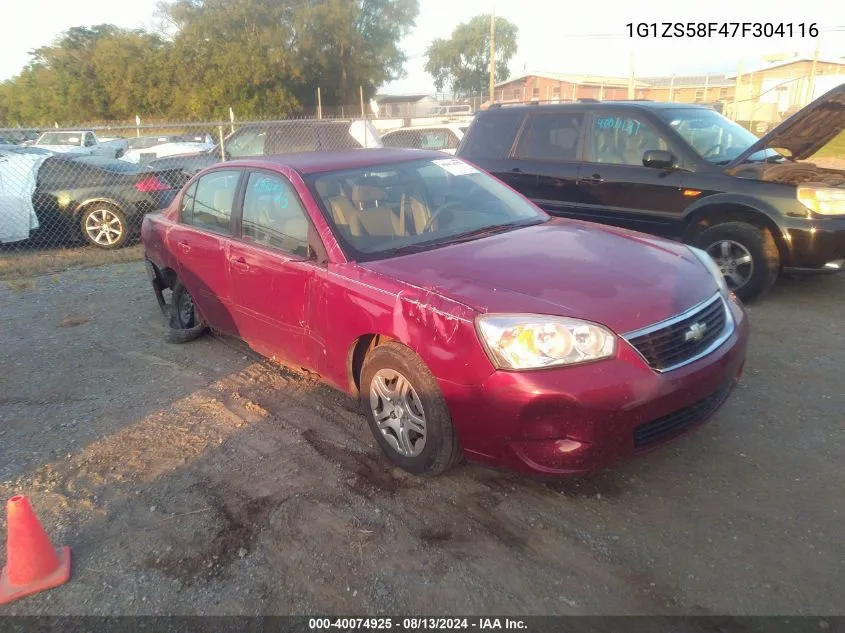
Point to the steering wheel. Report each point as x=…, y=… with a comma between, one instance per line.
x=443, y=207
x=712, y=151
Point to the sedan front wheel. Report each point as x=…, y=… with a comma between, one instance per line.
x=406, y=411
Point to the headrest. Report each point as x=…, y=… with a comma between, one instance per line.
x=328, y=188
x=365, y=195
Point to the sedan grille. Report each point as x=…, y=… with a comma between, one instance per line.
x=685, y=338
x=668, y=425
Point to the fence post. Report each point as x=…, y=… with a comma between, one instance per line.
x=319, y=104
x=137, y=125
x=222, y=148
x=231, y=120
x=361, y=94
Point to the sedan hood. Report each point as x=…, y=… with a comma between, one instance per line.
x=622, y=279
x=806, y=131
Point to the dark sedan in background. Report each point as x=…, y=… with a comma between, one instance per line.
x=100, y=200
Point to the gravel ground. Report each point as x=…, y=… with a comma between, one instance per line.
x=200, y=479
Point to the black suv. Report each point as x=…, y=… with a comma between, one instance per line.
x=681, y=171
x=268, y=138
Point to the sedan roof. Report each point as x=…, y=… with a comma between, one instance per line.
x=326, y=161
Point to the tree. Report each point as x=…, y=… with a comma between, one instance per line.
x=461, y=63
x=264, y=58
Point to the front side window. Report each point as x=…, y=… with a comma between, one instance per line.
x=273, y=215
x=383, y=211
x=714, y=137
x=552, y=137
x=246, y=142
x=402, y=138
x=212, y=203
x=622, y=140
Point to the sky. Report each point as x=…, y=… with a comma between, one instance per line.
x=554, y=36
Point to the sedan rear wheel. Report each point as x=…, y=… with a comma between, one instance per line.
x=104, y=227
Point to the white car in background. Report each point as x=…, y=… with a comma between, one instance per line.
x=146, y=148
x=444, y=137
x=80, y=143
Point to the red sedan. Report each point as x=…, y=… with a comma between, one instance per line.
x=468, y=321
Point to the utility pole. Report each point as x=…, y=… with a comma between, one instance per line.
x=736, y=89
x=671, y=87
x=632, y=62
x=492, y=53
x=811, y=82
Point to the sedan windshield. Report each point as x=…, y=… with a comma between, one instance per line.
x=388, y=210
x=60, y=138
x=714, y=137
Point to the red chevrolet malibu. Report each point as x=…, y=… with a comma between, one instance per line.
x=468, y=321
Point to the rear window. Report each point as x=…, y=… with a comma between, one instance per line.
x=492, y=135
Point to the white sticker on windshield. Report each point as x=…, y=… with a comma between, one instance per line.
x=455, y=167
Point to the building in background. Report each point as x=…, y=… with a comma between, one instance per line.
x=405, y=106
x=758, y=99
x=565, y=87
x=766, y=95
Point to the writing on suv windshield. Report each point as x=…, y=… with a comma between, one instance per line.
x=715, y=138
x=386, y=210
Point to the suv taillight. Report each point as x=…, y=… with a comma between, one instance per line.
x=151, y=183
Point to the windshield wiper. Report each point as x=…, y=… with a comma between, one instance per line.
x=460, y=237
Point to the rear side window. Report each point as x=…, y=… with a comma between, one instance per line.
x=290, y=139
x=552, y=136
x=402, y=138
x=336, y=136
x=492, y=135
x=211, y=206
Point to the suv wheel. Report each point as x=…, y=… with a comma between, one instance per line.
x=747, y=256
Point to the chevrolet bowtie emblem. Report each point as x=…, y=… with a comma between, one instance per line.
x=695, y=332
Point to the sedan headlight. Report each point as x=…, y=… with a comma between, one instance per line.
x=532, y=341
x=823, y=200
x=709, y=264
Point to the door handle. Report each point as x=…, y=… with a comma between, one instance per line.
x=594, y=178
x=240, y=263
x=185, y=247
x=516, y=170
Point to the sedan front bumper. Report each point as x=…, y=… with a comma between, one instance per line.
x=577, y=420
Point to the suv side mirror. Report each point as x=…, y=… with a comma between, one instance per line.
x=659, y=159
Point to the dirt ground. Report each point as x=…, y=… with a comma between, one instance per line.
x=200, y=479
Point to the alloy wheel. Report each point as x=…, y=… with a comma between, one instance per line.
x=734, y=260
x=398, y=412
x=104, y=227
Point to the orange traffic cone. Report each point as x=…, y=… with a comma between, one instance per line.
x=32, y=563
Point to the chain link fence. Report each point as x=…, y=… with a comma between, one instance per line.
x=91, y=185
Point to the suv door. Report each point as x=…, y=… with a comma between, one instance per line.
x=201, y=241
x=546, y=166
x=615, y=187
x=490, y=140
x=270, y=269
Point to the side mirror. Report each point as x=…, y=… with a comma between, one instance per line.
x=659, y=159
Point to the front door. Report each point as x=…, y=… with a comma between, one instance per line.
x=201, y=242
x=271, y=274
x=614, y=185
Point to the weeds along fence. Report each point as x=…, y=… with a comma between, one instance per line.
x=91, y=185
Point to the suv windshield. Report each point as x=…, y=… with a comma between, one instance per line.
x=714, y=137
x=60, y=138
x=386, y=210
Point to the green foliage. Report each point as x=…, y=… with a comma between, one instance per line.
x=461, y=63
x=263, y=58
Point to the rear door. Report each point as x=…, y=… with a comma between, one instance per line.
x=546, y=165
x=616, y=188
x=270, y=270
x=201, y=243
x=489, y=142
